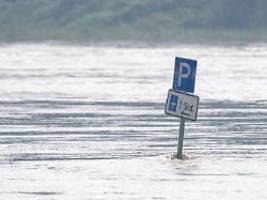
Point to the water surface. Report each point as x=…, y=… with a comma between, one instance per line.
x=82, y=122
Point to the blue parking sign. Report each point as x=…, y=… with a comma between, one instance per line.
x=184, y=75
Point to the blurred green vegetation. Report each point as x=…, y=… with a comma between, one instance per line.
x=135, y=20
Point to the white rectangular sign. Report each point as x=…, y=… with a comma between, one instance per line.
x=182, y=105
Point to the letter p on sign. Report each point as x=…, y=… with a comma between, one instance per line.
x=184, y=75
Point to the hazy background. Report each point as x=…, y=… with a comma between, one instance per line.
x=151, y=21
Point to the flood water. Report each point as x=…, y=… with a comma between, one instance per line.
x=82, y=122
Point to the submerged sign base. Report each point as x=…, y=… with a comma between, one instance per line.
x=182, y=105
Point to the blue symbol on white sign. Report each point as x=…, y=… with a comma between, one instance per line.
x=173, y=103
x=184, y=75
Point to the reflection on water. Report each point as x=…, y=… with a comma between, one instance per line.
x=89, y=123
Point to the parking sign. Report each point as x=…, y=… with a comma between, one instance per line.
x=184, y=75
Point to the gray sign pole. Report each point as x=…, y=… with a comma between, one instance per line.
x=180, y=139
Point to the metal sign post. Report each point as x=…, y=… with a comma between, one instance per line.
x=181, y=139
x=179, y=103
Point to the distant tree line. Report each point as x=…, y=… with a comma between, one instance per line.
x=89, y=19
